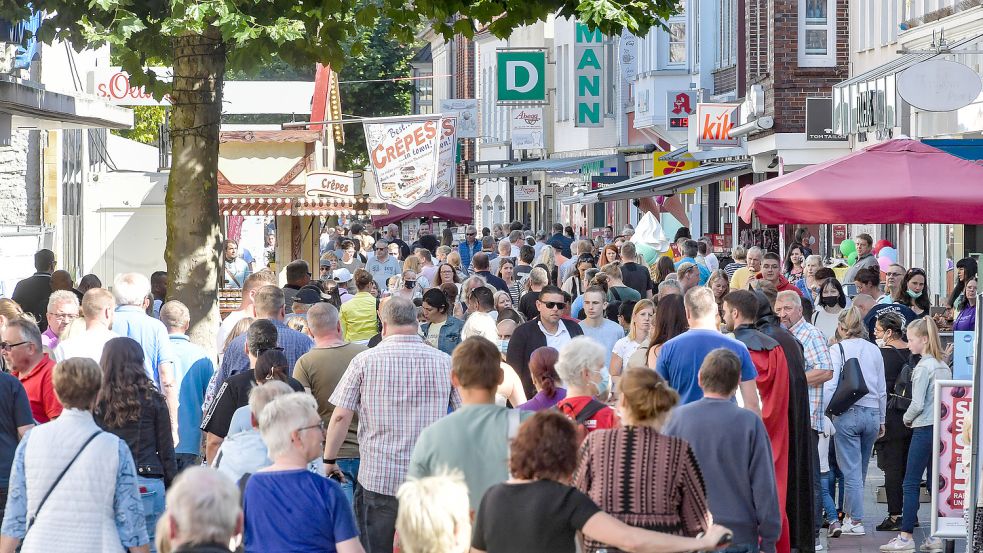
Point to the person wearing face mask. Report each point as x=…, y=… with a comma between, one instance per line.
x=914, y=293
x=611, y=471
x=892, y=449
x=832, y=300
x=579, y=366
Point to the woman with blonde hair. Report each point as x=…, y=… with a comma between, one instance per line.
x=412, y=263
x=547, y=260
x=862, y=423
x=442, y=253
x=239, y=329
x=923, y=339
x=638, y=336
x=617, y=468
x=719, y=284
x=808, y=284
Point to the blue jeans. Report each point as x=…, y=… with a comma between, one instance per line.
x=828, y=505
x=349, y=467
x=856, y=432
x=919, y=459
x=743, y=548
x=152, y=497
x=376, y=517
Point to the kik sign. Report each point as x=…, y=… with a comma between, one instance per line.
x=714, y=122
x=588, y=51
x=521, y=76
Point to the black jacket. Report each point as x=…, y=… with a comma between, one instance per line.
x=526, y=338
x=149, y=438
x=32, y=295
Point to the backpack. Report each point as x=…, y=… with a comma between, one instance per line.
x=611, y=312
x=592, y=408
x=900, y=397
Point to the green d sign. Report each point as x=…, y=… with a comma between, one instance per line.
x=521, y=75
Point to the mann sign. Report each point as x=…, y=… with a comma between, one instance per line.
x=588, y=52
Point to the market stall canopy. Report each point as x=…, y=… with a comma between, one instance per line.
x=456, y=210
x=898, y=181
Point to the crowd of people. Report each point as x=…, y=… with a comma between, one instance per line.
x=504, y=392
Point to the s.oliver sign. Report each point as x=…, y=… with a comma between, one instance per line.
x=112, y=84
x=714, y=122
x=405, y=153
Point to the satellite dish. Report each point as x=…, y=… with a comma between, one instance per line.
x=939, y=85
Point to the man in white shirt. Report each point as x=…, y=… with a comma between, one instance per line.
x=253, y=283
x=515, y=242
x=98, y=307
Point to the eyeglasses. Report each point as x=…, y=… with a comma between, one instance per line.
x=64, y=316
x=554, y=304
x=894, y=274
x=4, y=346
x=382, y=249
x=319, y=425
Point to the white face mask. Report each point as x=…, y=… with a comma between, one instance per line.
x=880, y=342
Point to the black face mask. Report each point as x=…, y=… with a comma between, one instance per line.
x=829, y=301
x=409, y=284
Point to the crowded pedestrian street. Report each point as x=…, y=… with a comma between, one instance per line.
x=584, y=276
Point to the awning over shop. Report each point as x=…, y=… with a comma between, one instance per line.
x=296, y=205
x=30, y=105
x=550, y=165
x=645, y=186
x=898, y=181
x=457, y=210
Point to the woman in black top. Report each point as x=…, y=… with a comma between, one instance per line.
x=892, y=448
x=536, y=511
x=130, y=407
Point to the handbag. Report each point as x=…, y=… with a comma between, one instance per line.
x=850, y=388
x=30, y=521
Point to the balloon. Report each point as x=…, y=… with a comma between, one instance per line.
x=847, y=246
x=884, y=263
x=889, y=253
x=881, y=244
x=852, y=258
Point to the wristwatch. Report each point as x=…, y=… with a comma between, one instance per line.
x=330, y=461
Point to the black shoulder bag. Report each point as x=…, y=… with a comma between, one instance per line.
x=899, y=399
x=850, y=388
x=30, y=521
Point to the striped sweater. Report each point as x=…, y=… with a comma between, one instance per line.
x=644, y=479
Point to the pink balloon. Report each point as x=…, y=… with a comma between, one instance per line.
x=885, y=263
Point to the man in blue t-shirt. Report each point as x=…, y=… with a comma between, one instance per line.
x=680, y=358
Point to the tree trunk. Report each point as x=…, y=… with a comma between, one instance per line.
x=193, y=232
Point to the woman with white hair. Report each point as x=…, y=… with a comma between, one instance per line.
x=287, y=507
x=434, y=515
x=579, y=367
x=510, y=390
x=203, y=513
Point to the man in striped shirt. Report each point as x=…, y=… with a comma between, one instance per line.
x=398, y=388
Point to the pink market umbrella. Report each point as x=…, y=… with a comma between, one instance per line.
x=898, y=181
x=456, y=210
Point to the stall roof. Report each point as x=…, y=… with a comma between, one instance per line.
x=644, y=186
x=549, y=165
x=897, y=181
x=457, y=210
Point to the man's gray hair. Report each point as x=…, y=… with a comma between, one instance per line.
x=515, y=236
x=668, y=283
x=505, y=247
x=398, y=311
x=131, y=289
x=434, y=514
x=260, y=396
x=282, y=416
x=789, y=296
x=581, y=353
x=740, y=252
x=28, y=331
x=204, y=506
x=755, y=249
x=322, y=318
x=59, y=297
x=175, y=315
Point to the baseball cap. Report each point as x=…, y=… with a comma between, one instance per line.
x=341, y=275
x=307, y=296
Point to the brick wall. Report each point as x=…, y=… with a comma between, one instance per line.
x=465, y=88
x=775, y=23
x=725, y=80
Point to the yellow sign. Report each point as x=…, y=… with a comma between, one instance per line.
x=661, y=168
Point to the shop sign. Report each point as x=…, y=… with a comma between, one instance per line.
x=521, y=76
x=939, y=85
x=819, y=121
x=466, y=111
x=950, y=459
x=680, y=104
x=408, y=160
x=331, y=184
x=839, y=234
x=714, y=122
x=525, y=193
x=865, y=106
x=661, y=168
x=526, y=129
x=112, y=84
x=588, y=51
x=629, y=56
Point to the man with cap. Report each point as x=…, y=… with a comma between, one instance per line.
x=344, y=279
x=306, y=297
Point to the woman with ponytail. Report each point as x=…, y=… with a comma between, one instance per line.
x=542, y=369
x=632, y=457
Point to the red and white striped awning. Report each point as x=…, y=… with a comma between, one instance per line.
x=299, y=206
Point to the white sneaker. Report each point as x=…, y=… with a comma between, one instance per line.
x=899, y=544
x=819, y=545
x=853, y=528
x=931, y=545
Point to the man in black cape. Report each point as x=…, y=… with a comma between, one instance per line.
x=803, y=455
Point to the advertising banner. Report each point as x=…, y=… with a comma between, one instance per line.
x=466, y=111
x=950, y=459
x=405, y=157
x=447, y=158
x=526, y=127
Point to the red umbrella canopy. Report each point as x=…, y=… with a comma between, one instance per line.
x=456, y=210
x=897, y=181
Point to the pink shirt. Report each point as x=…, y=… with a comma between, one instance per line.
x=49, y=339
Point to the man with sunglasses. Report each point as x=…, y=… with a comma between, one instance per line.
x=549, y=329
x=27, y=361
x=383, y=265
x=469, y=247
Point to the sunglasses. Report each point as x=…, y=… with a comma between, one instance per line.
x=554, y=304
x=472, y=234
x=4, y=346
